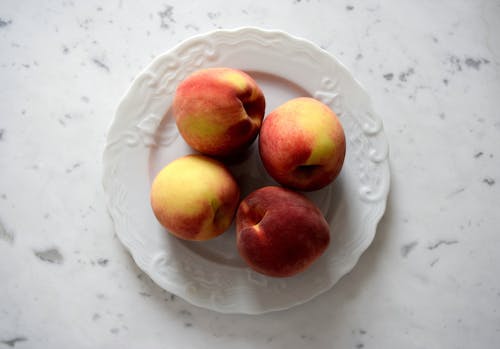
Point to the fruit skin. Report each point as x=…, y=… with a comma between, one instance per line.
x=195, y=197
x=219, y=111
x=280, y=232
x=302, y=144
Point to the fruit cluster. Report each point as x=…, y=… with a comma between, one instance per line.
x=219, y=112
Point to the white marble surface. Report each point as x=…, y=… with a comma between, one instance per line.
x=429, y=280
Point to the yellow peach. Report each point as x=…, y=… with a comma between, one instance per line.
x=195, y=197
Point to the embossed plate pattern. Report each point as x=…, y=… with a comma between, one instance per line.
x=143, y=138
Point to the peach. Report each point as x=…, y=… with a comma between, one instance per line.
x=195, y=197
x=280, y=232
x=302, y=144
x=219, y=111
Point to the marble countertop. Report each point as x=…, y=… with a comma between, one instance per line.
x=430, y=278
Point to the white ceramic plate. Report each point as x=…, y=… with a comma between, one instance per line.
x=143, y=138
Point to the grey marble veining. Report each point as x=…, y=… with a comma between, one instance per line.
x=430, y=278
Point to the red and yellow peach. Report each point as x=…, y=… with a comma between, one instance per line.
x=302, y=144
x=219, y=111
